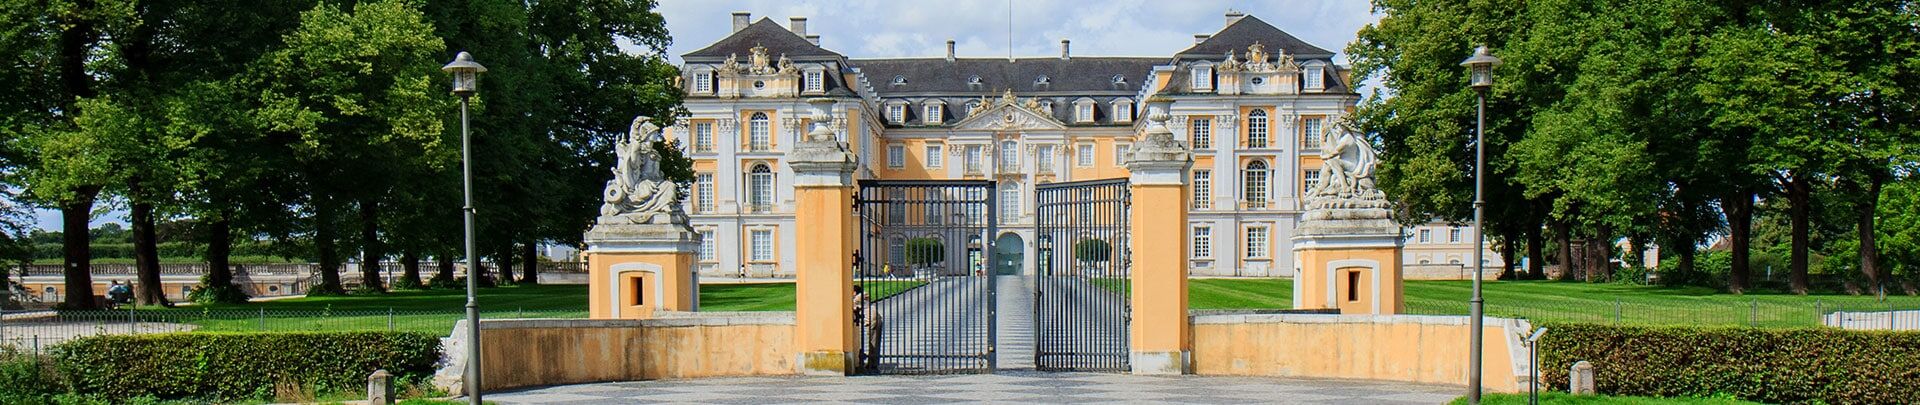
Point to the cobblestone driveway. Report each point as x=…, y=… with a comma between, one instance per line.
x=1015, y=387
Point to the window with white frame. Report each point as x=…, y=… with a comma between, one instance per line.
x=706, y=245
x=1083, y=111
x=1202, y=77
x=1122, y=111
x=1120, y=153
x=1201, y=132
x=1308, y=180
x=762, y=241
x=760, y=187
x=759, y=133
x=1202, y=242
x=974, y=155
x=1316, y=77
x=1083, y=155
x=702, y=82
x=1043, y=160
x=1257, y=129
x=936, y=156
x=703, y=137
x=1009, y=201
x=1256, y=242
x=1426, y=236
x=703, y=192
x=1453, y=235
x=1009, y=157
x=815, y=81
x=896, y=156
x=934, y=115
x=1310, y=132
x=1255, y=181
x=897, y=113
x=1202, y=189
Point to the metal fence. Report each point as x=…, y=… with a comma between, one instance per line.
x=1862, y=313
x=39, y=330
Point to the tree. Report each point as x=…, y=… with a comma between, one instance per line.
x=1092, y=251
x=925, y=252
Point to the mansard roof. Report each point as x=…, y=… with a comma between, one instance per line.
x=1079, y=74
x=1244, y=32
x=778, y=40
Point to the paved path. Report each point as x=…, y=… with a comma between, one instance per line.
x=1015, y=325
x=1023, y=387
x=1084, y=326
x=939, y=326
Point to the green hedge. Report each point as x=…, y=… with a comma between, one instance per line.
x=1766, y=365
x=240, y=365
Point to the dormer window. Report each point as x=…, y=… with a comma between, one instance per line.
x=897, y=113
x=972, y=105
x=815, y=81
x=1122, y=111
x=1202, y=77
x=975, y=79
x=1046, y=106
x=1042, y=81
x=934, y=115
x=1083, y=111
x=1120, y=80
x=899, y=80
x=703, y=82
x=1316, y=77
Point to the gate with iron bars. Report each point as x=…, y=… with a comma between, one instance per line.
x=1081, y=305
x=927, y=302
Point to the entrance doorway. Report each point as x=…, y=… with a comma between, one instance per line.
x=1009, y=254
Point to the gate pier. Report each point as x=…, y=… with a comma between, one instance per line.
x=1162, y=341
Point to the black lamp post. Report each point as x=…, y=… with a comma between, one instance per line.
x=466, y=81
x=1481, y=68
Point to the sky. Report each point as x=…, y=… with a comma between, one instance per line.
x=918, y=28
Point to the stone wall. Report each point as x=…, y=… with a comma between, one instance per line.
x=1410, y=348
x=539, y=352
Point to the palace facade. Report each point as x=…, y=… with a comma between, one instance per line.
x=1250, y=100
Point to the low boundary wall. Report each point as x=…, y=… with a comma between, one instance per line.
x=538, y=352
x=1409, y=348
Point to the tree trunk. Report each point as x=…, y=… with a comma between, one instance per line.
x=1507, y=249
x=1563, y=235
x=1869, y=253
x=220, y=252
x=1536, y=259
x=1638, y=245
x=530, y=267
x=1800, y=199
x=445, y=272
x=324, y=237
x=1738, y=208
x=371, y=253
x=1685, y=266
x=505, y=260
x=410, y=262
x=76, y=245
x=146, y=257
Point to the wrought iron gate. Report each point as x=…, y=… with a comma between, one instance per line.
x=1081, y=306
x=924, y=270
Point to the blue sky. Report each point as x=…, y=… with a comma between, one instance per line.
x=901, y=28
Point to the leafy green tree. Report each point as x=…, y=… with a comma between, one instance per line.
x=1092, y=250
x=925, y=252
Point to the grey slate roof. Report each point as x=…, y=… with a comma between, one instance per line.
x=767, y=33
x=1080, y=75
x=1245, y=32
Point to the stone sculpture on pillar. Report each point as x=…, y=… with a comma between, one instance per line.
x=639, y=192
x=1347, y=246
x=640, y=250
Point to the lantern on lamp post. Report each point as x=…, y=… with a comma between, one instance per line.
x=466, y=82
x=1480, y=76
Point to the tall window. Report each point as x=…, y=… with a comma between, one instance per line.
x=1426, y=235
x=706, y=245
x=1316, y=77
x=1009, y=202
x=1009, y=157
x=897, y=113
x=703, y=82
x=1308, y=180
x=1202, y=189
x=1202, y=77
x=1453, y=235
x=934, y=115
x=973, y=158
x=703, y=192
x=1310, y=132
x=1083, y=155
x=896, y=156
x=760, y=187
x=814, y=80
x=935, y=156
x=1256, y=242
x=1084, y=112
x=1257, y=129
x=759, y=133
x=1120, y=153
x=1255, y=181
x=1202, y=242
x=703, y=137
x=1044, y=161
x=1122, y=112
x=1202, y=133
x=762, y=241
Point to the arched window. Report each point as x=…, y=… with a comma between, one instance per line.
x=1009, y=157
x=760, y=187
x=1254, y=179
x=759, y=133
x=1257, y=129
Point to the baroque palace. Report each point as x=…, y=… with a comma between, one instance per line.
x=1250, y=100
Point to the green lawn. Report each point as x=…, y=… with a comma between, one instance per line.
x=1561, y=398
x=1255, y=293
x=876, y=289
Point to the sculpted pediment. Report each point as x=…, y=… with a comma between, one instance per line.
x=1006, y=114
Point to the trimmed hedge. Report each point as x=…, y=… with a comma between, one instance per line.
x=1766, y=365
x=240, y=365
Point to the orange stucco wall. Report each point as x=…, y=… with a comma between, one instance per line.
x=824, y=277
x=1420, y=349
x=675, y=293
x=1313, y=279
x=1160, y=269
x=523, y=353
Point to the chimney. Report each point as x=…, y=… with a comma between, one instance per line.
x=798, y=25
x=1063, y=49
x=815, y=39
x=740, y=20
x=949, y=50
x=1198, y=38
x=1234, y=16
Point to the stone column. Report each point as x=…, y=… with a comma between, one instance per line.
x=1160, y=335
x=640, y=260
x=824, y=241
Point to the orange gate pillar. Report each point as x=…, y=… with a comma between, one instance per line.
x=824, y=221
x=1161, y=342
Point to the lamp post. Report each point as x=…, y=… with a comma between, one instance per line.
x=1481, y=66
x=466, y=77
